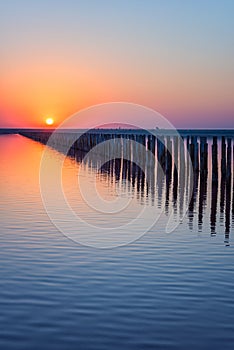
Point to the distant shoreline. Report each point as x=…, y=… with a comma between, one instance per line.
x=182, y=132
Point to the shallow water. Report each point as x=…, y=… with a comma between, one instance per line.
x=162, y=291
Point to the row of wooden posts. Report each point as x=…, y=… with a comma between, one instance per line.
x=167, y=148
x=226, y=158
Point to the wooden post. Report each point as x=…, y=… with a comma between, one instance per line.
x=161, y=152
x=153, y=139
x=169, y=157
x=223, y=157
x=196, y=155
x=215, y=159
x=191, y=150
x=175, y=173
x=229, y=159
x=203, y=155
x=181, y=155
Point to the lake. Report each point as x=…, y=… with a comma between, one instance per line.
x=159, y=291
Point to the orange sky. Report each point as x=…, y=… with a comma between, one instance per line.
x=178, y=63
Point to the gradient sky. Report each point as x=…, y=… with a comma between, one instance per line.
x=175, y=56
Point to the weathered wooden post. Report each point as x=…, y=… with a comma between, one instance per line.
x=175, y=173
x=128, y=147
x=196, y=155
x=151, y=143
x=175, y=139
x=161, y=151
x=203, y=155
x=153, y=140
x=223, y=157
x=168, y=157
x=143, y=153
x=233, y=187
x=215, y=159
x=150, y=167
x=181, y=156
x=228, y=190
x=187, y=156
x=182, y=175
x=191, y=150
x=229, y=159
x=168, y=169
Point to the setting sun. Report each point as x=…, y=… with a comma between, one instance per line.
x=49, y=121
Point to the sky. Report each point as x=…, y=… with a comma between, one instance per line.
x=60, y=56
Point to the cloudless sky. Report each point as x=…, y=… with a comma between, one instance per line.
x=175, y=56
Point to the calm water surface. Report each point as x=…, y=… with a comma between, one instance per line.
x=163, y=291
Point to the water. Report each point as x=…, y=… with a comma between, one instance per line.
x=163, y=291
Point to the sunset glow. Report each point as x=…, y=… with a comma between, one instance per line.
x=49, y=121
x=178, y=62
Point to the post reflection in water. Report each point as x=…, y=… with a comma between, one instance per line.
x=166, y=182
x=170, y=182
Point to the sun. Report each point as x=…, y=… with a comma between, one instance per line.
x=49, y=121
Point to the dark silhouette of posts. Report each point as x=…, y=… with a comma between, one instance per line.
x=229, y=159
x=175, y=173
x=228, y=190
x=215, y=159
x=196, y=155
x=233, y=194
x=182, y=175
x=203, y=155
x=223, y=157
x=151, y=143
x=168, y=157
x=119, y=169
x=181, y=156
x=214, y=190
x=161, y=152
x=168, y=171
x=191, y=150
